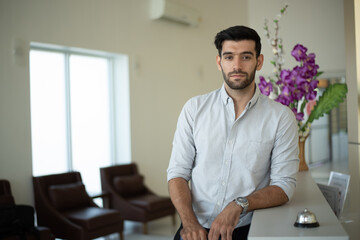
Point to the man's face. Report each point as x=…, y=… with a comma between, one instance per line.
x=238, y=63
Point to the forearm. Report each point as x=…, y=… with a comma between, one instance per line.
x=270, y=196
x=181, y=197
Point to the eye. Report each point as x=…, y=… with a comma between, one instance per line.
x=246, y=57
x=228, y=57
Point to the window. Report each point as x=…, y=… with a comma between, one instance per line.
x=79, y=105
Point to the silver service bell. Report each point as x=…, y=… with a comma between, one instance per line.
x=306, y=219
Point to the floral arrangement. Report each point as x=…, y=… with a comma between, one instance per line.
x=297, y=88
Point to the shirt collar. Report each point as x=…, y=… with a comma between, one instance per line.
x=225, y=97
x=254, y=99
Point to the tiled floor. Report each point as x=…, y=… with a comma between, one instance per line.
x=161, y=229
x=158, y=229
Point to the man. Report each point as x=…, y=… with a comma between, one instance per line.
x=238, y=148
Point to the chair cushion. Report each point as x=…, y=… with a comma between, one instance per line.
x=93, y=217
x=151, y=202
x=128, y=186
x=69, y=196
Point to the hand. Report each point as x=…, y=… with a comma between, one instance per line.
x=225, y=223
x=193, y=232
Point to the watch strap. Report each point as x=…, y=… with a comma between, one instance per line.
x=242, y=202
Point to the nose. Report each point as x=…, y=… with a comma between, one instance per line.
x=237, y=64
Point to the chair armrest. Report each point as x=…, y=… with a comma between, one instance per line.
x=104, y=195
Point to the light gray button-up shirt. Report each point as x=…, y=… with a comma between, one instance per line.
x=226, y=157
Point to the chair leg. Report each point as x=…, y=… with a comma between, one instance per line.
x=121, y=235
x=145, y=228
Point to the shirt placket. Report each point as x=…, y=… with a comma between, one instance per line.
x=226, y=164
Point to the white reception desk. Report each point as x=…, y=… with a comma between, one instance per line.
x=278, y=222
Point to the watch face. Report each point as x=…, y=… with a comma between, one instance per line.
x=242, y=200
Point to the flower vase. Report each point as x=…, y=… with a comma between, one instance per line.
x=302, y=165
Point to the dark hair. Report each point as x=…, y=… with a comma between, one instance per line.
x=238, y=33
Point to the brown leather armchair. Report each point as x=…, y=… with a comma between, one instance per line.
x=128, y=194
x=7, y=199
x=63, y=205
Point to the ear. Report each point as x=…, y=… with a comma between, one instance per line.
x=260, y=61
x=218, y=62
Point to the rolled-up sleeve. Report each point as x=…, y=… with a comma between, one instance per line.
x=285, y=155
x=184, y=151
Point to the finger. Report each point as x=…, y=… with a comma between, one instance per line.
x=224, y=236
x=211, y=234
x=184, y=235
x=198, y=235
x=229, y=235
x=195, y=236
x=214, y=235
x=204, y=236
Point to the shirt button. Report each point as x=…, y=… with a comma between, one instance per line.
x=223, y=183
x=230, y=141
x=218, y=203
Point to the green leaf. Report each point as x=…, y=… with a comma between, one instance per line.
x=303, y=106
x=318, y=74
x=330, y=99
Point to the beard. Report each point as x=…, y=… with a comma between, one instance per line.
x=239, y=84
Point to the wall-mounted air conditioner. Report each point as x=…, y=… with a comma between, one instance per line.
x=174, y=11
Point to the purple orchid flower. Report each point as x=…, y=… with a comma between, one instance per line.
x=265, y=87
x=299, y=115
x=284, y=100
x=296, y=85
x=313, y=84
x=284, y=76
x=298, y=93
x=301, y=71
x=299, y=52
x=311, y=95
x=311, y=70
x=310, y=59
x=285, y=97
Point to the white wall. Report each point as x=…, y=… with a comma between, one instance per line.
x=317, y=24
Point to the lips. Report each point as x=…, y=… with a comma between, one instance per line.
x=238, y=75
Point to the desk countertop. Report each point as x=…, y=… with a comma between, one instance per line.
x=278, y=222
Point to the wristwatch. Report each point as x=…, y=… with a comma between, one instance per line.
x=242, y=202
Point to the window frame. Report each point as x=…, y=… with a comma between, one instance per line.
x=119, y=99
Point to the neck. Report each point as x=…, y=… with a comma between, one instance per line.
x=241, y=97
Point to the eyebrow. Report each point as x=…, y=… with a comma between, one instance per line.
x=242, y=53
